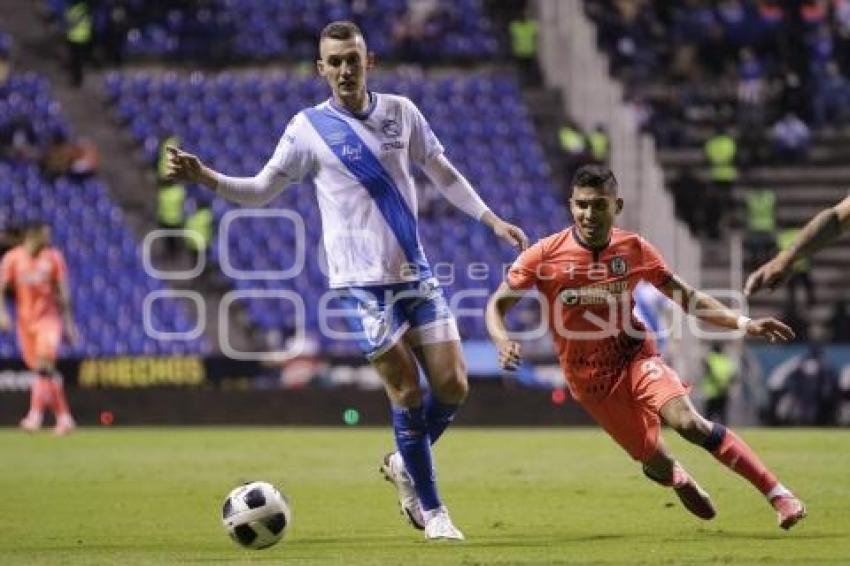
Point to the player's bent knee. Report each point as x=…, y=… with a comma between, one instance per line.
x=454, y=388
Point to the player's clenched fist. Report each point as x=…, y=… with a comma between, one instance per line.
x=510, y=354
x=183, y=166
x=770, y=329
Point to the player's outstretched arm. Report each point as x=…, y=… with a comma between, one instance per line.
x=256, y=190
x=500, y=303
x=460, y=193
x=707, y=308
x=828, y=225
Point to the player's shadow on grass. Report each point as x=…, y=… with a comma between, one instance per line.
x=744, y=535
x=511, y=541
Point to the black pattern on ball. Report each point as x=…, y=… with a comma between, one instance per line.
x=276, y=523
x=244, y=534
x=227, y=510
x=255, y=498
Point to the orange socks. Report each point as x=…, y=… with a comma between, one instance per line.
x=736, y=455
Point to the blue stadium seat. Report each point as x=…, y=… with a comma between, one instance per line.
x=87, y=226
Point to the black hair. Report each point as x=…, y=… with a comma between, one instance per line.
x=34, y=226
x=596, y=177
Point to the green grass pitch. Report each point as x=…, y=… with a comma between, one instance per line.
x=522, y=496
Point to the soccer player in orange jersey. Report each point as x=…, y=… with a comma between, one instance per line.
x=586, y=275
x=37, y=274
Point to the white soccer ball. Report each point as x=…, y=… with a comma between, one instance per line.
x=256, y=515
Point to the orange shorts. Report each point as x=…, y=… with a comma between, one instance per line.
x=40, y=341
x=630, y=413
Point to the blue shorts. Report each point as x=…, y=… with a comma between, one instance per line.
x=381, y=315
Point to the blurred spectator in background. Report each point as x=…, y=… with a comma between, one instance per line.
x=170, y=140
x=5, y=57
x=599, y=144
x=170, y=200
x=689, y=197
x=820, y=49
x=839, y=323
x=830, y=97
x=771, y=28
x=111, y=24
x=70, y=157
x=574, y=147
x=423, y=23
x=18, y=141
x=78, y=37
x=790, y=137
x=813, y=13
x=689, y=31
x=633, y=33
x=804, y=390
x=199, y=230
x=752, y=94
x=524, y=40
x=841, y=15
x=720, y=152
x=719, y=372
x=801, y=274
x=792, y=97
x=307, y=368
x=761, y=226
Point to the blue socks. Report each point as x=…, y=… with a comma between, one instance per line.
x=415, y=430
x=438, y=416
x=413, y=441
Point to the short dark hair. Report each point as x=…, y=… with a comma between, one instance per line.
x=34, y=227
x=342, y=29
x=596, y=177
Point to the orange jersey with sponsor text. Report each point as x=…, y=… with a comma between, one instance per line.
x=34, y=280
x=589, y=295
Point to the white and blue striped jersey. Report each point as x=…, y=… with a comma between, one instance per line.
x=361, y=167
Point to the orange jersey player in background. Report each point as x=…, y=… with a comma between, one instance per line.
x=37, y=274
x=587, y=274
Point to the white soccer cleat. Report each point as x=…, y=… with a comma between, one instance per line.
x=32, y=422
x=439, y=526
x=392, y=467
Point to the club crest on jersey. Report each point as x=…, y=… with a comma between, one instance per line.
x=391, y=128
x=618, y=265
x=569, y=296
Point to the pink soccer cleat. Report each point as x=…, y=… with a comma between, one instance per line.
x=31, y=422
x=64, y=425
x=789, y=510
x=692, y=496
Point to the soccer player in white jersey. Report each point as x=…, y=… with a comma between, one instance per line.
x=358, y=147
